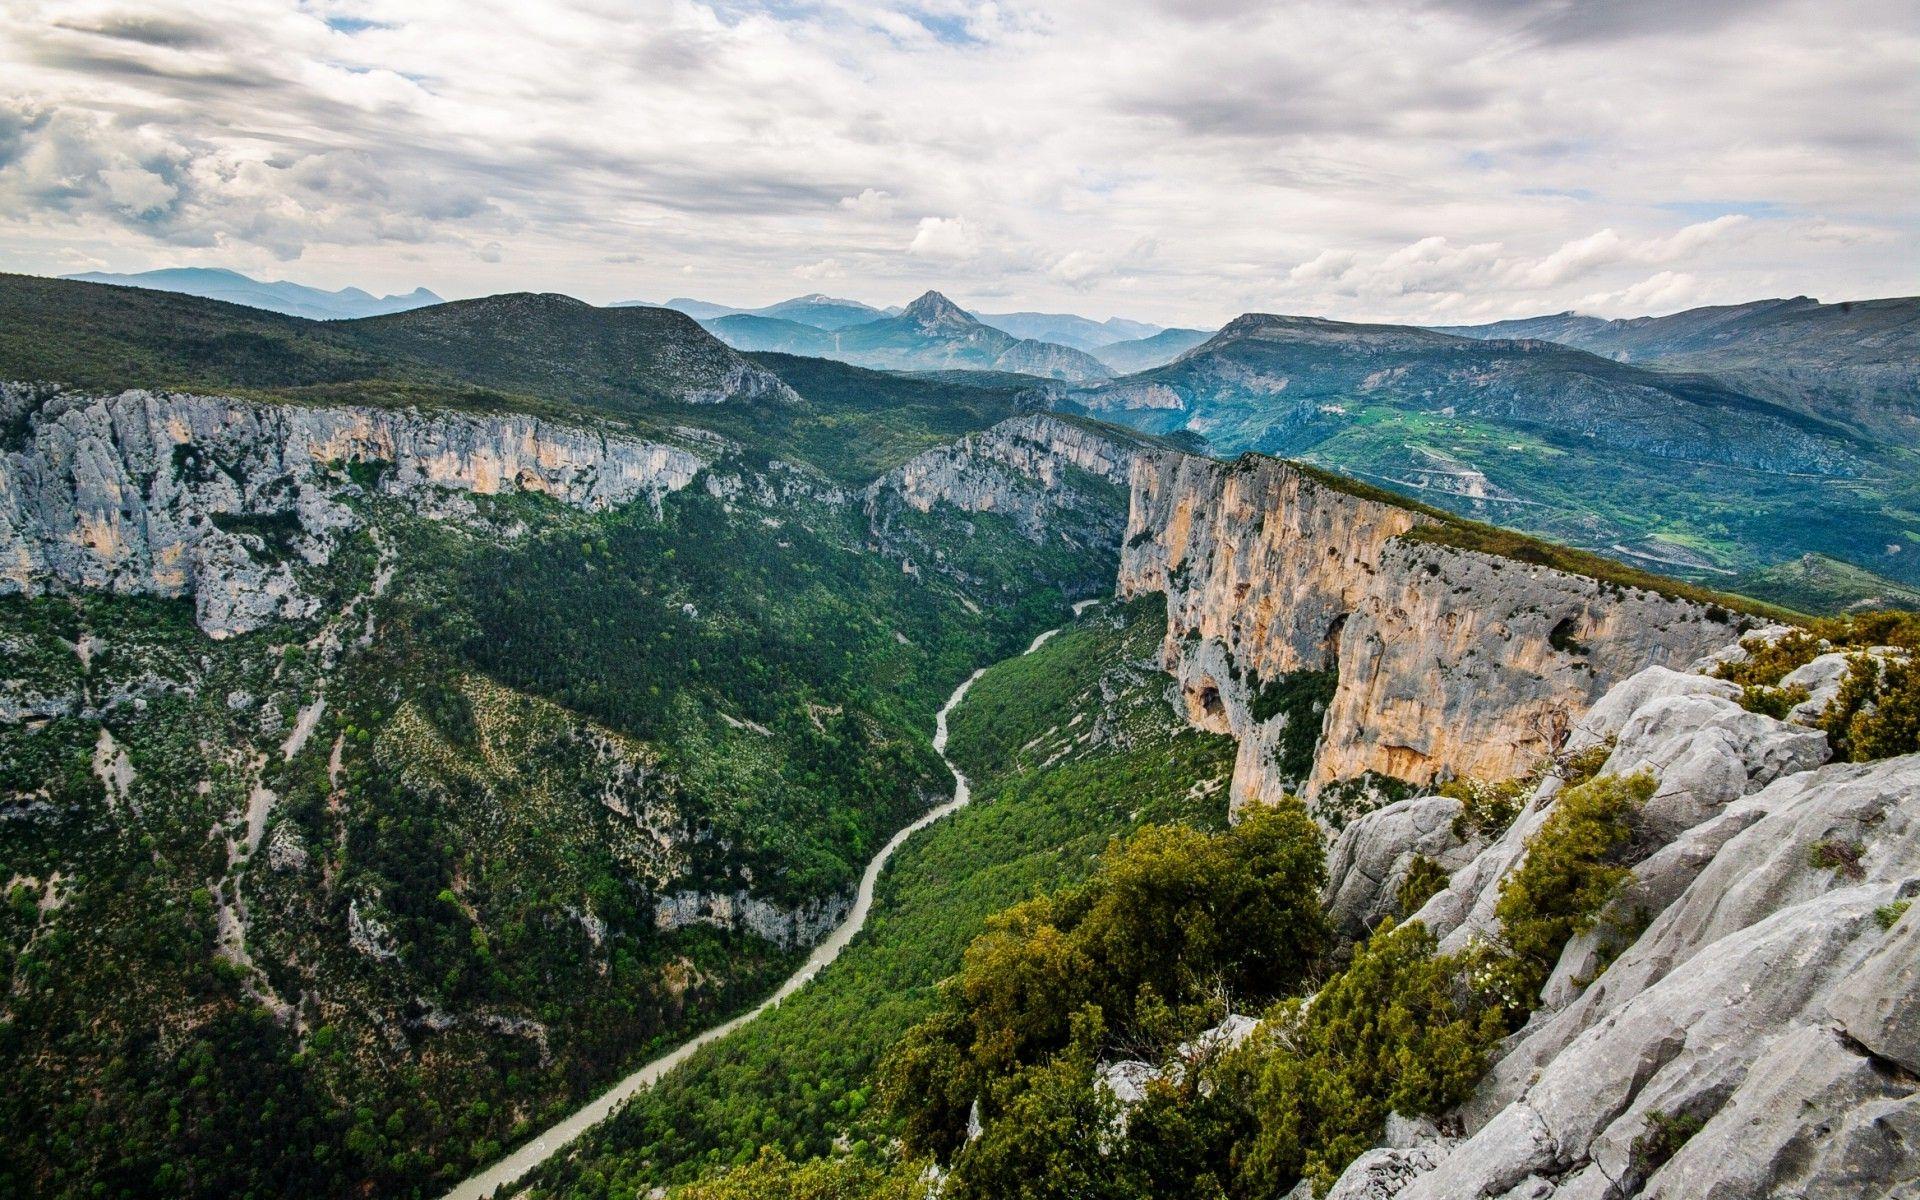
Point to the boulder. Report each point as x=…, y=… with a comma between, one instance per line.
x=1370, y=859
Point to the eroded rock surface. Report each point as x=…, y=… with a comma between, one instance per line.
x=166, y=494
x=1767, y=1009
x=1450, y=662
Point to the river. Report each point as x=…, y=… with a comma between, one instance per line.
x=556, y=1137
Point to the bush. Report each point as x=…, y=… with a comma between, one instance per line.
x=1487, y=808
x=772, y=1177
x=1569, y=873
x=1174, y=924
x=1425, y=879
x=1877, y=711
x=1662, y=1139
x=1394, y=1032
x=1775, y=702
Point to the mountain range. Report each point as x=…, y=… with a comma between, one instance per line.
x=515, y=733
x=279, y=296
x=930, y=334
x=1856, y=361
x=1681, y=470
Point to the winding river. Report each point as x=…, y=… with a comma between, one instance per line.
x=556, y=1137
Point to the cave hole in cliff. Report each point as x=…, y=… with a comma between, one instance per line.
x=1330, y=643
x=1562, y=639
x=1207, y=696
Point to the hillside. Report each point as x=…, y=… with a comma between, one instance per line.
x=1681, y=472
x=1143, y=354
x=1857, y=362
x=545, y=348
x=1814, y=583
x=290, y=299
x=931, y=334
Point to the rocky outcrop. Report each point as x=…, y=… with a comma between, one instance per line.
x=224, y=500
x=1022, y=468
x=1769, y=1004
x=740, y=910
x=1450, y=662
x=1057, y=480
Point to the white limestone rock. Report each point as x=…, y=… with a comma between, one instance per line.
x=1370, y=859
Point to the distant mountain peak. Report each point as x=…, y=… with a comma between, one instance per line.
x=934, y=307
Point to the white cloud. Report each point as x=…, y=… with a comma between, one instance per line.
x=1373, y=159
x=951, y=238
x=826, y=268
x=871, y=202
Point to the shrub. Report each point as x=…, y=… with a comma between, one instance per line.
x=1839, y=855
x=1767, y=662
x=1394, y=1032
x=1425, y=878
x=1888, y=915
x=1569, y=873
x=1661, y=1140
x=1775, y=702
x=772, y=1177
x=1877, y=711
x=1173, y=920
x=1487, y=808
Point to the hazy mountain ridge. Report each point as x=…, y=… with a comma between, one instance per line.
x=281, y=296
x=1680, y=470
x=931, y=334
x=1856, y=361
x=1146, y=353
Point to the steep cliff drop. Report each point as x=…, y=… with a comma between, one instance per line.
x=1444, y=661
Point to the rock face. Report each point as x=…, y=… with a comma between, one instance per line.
x=1770, y=1002
x=1450, y=662
x=1057, y=480
x=784, y=927
x=172, y=495
x=1018, y=468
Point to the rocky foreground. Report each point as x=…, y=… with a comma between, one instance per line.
x=1760, y=1036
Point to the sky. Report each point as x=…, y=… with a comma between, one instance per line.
x=1178, y=161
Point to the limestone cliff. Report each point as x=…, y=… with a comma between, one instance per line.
x=1450, y=662
x=1765, y=1006
x=174, y=495
x=1057, y=480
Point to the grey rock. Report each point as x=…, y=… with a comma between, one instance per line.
x=1814, y=1119
x=1370, y=859
x=1878, y=1004
x=126, y=493
x=784, y=927
x=1707, y=751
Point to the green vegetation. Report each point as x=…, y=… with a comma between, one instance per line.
x=772, y=1176
x=1839, y=855
x=1888, y=915
x=803, y=1076
x=1570, y=872
x=1425, y=879
x=1665, y=1134
x=1877, y=711
x=1394, y=1032
x=1820, y=584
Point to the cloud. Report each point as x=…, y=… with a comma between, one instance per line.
x=1665, y=292
x=1375, y=159
x=952, y=238
x=871, y=202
